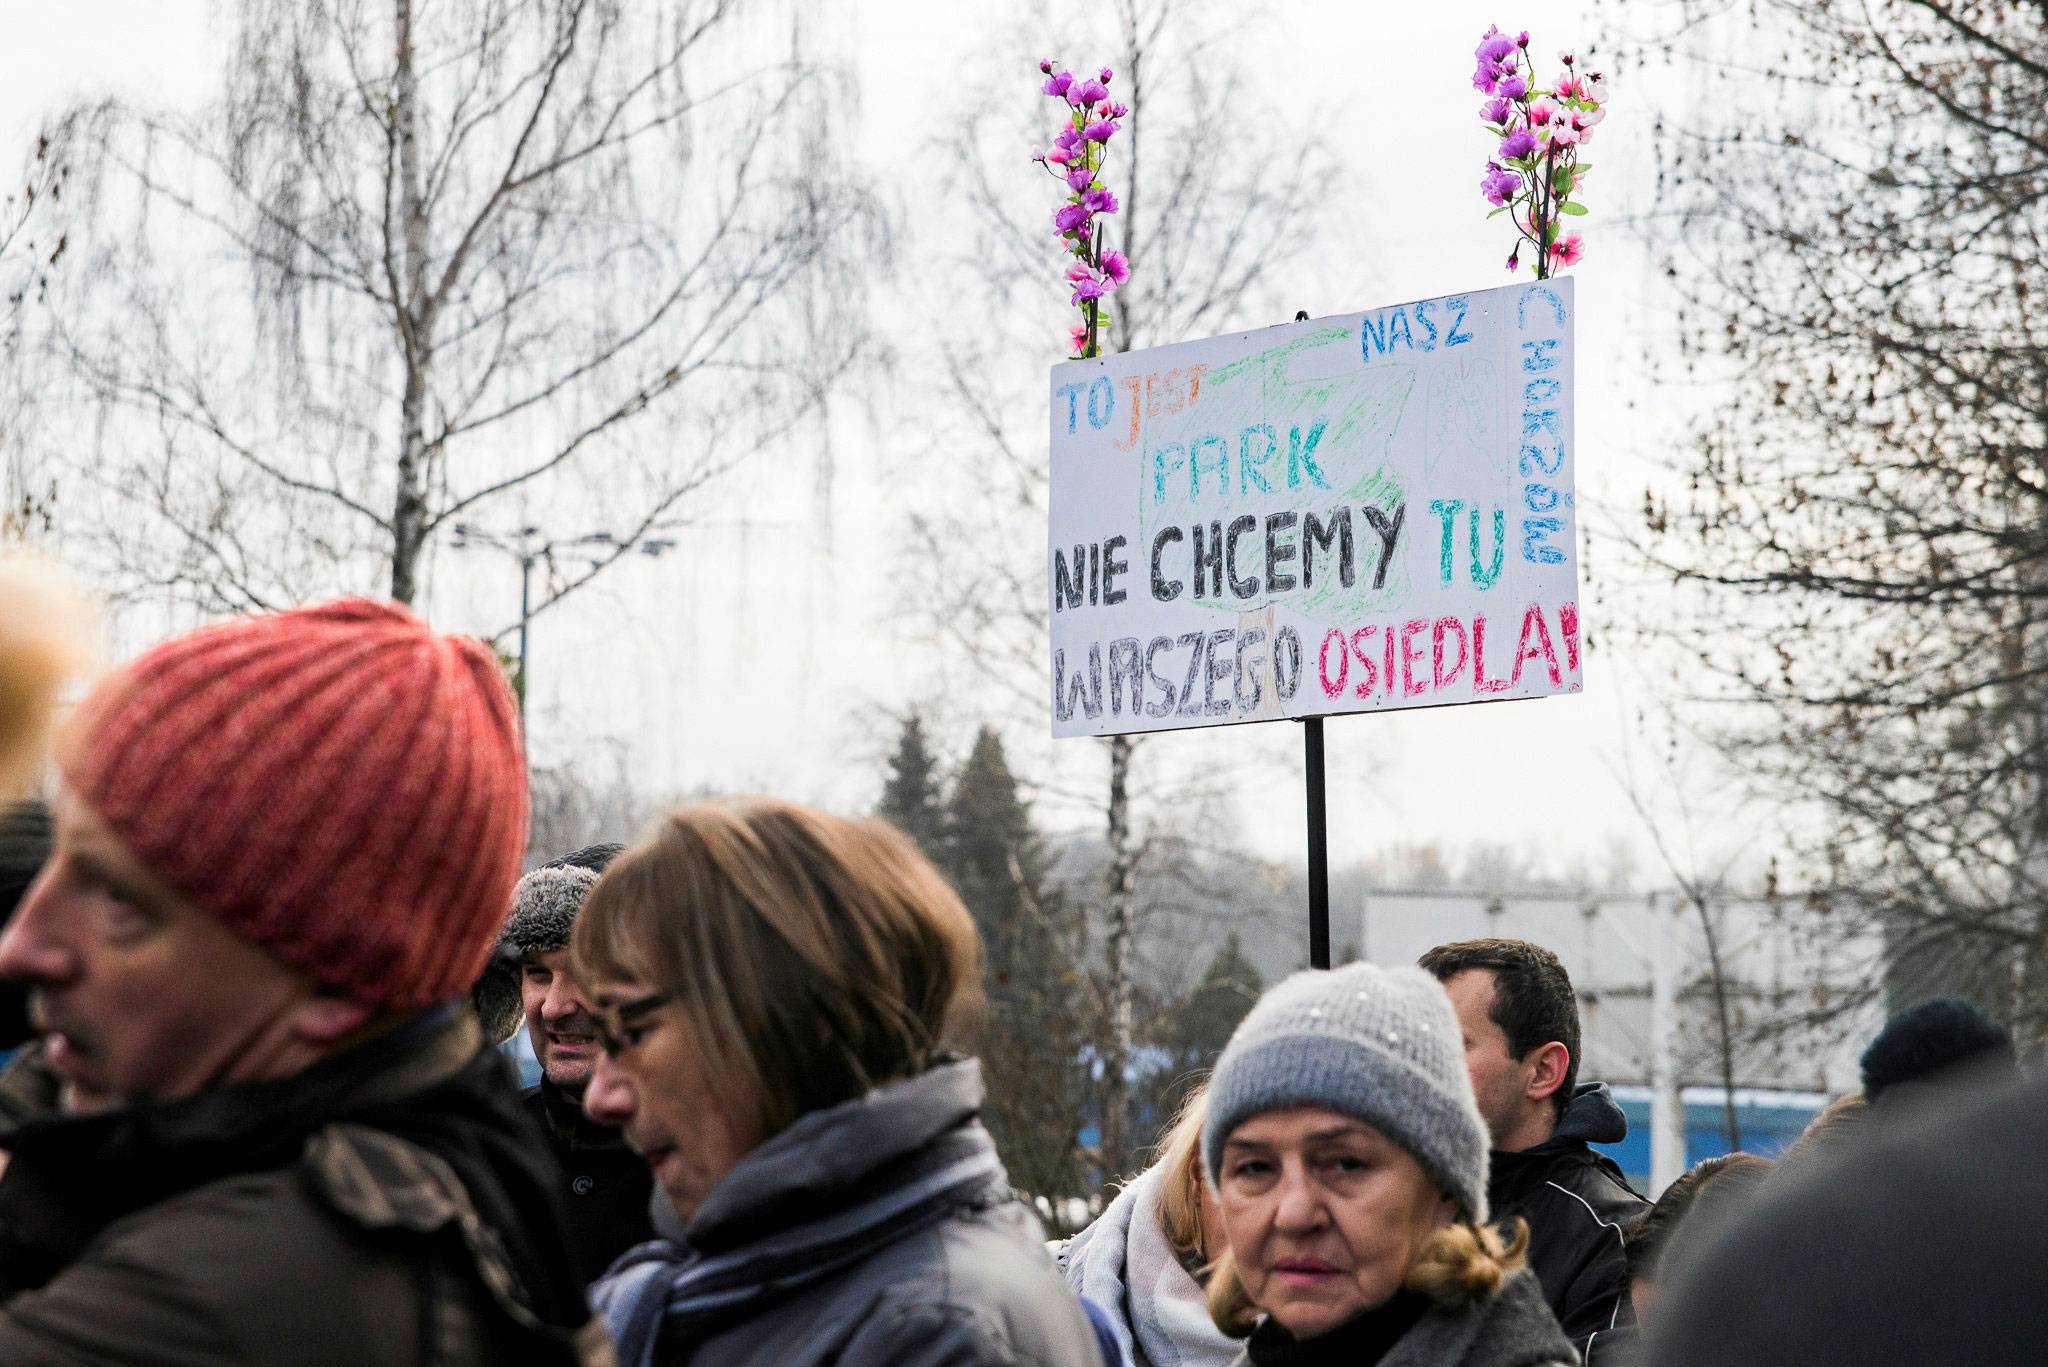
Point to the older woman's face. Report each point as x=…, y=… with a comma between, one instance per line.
x=1325, y=1215
x=658, y=1092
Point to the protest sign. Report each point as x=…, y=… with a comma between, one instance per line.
x=1340, y=515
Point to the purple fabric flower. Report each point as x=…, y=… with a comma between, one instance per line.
x=1069, y=136
x=1080, y=177
x=1046, y=66
x=1496, y=109
x=1116, y=267
x=1500, y=184
x=1087, y=93
x=1104, y=75
x=1099, y=202
x=1070, y=217
x=1495, y=54
x=1515, y=259
x=1101, y=130
x=1060, y=84
x=1087, y=284
x=1518, y=144
x=1495, y=46
x=1514, y=87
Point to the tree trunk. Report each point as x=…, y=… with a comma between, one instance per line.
x=409, y=505
x=1730, y=1121
x=1122, y=879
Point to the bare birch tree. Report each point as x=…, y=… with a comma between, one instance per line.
x=1861, y=520
x=419, y=265
x=1214, y=207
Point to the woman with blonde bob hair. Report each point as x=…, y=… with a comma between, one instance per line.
x=774, y=987
x=1349, y=1163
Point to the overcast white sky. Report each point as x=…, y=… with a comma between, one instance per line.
x=607, y=673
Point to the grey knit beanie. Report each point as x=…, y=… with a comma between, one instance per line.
x=1379, y=1044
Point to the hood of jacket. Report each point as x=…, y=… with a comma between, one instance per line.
x=827, y=1158
x=1590, y=1117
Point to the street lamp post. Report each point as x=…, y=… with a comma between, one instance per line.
x=528, y=548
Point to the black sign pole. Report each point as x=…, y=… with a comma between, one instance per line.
x=1318, y=845
x=1318, y=827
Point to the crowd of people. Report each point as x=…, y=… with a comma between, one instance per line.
x=270, y=928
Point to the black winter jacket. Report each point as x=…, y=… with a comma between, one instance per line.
x=388, y=1207
x=1576, y=1203
x=606, y=1186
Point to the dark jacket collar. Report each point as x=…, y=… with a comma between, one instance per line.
x=1360, y=1341
x=427, y=1082
x=1590, y=1117
x=566, y=1122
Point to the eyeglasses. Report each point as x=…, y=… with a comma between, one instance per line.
x=617, y=1028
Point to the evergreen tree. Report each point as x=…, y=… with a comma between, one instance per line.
x=1030, y=1043
x=911, y=796
x=1202, y=1024
x=1193, y=1031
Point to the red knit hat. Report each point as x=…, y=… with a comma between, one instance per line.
x=339, y=784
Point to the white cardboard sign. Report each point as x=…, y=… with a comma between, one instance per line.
x=1342, y=515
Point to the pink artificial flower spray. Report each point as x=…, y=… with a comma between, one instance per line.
x=1534, y=173
x=1075, y=159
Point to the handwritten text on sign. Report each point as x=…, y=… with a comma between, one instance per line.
x=1340, y=515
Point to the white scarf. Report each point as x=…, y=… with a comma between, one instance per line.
x=1123, y=1263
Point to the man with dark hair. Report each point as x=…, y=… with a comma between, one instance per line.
x=609, y=1186
x=1520, y=1022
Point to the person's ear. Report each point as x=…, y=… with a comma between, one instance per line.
x=1549, y=1063
x=324, y=1018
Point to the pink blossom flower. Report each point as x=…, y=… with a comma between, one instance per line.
x=1117, y=268
x=1077, y=335
x=1596, y=88
x=1087, y=284
x=1566, y=251
x=1542, y=110
x=1061, y=155
x=1570, y=88
x=1562, y=134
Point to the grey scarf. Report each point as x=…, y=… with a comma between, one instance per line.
x=1123, y=1263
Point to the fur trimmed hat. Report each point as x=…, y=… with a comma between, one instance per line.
x=544, y=907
